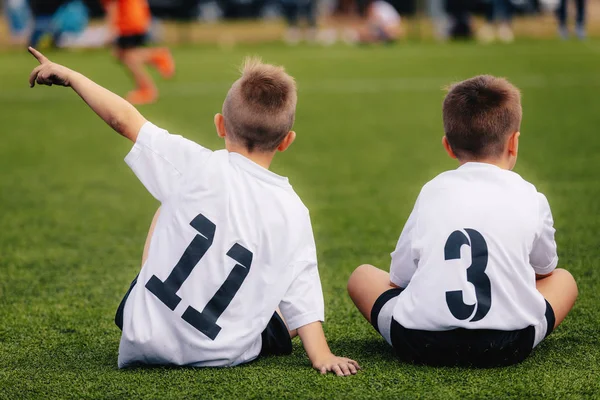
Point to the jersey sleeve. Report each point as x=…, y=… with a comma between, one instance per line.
x=543, y=257
x=161, y=160
x=405, y=257
x=303, y=302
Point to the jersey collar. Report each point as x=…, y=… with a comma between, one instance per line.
x=260, y=172
x=474, y=164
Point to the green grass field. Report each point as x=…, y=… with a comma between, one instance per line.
x=74, y=218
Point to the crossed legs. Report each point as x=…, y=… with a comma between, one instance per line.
x=367, y=283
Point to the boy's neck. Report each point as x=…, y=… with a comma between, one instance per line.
x=498, y=162
x=260, y=158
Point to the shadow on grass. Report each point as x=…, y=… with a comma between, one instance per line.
x=295, y=361
x=81, y=354
x=371, y=349
x=368, y=351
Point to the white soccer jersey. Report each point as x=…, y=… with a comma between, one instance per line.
x=470, y=250
x=232, y=243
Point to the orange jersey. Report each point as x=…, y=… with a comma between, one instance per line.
x=132, y=16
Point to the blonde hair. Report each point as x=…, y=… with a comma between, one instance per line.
x=260, y=107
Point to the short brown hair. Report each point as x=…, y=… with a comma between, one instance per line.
x=260, y=107
x=479, y=114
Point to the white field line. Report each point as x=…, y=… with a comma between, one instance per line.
x=329, y=86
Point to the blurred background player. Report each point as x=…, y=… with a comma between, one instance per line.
x=57, y=19
x=130, y=21
x=43, y=12
x=459, y=19
x=382, y=25
x=563, y=30
x=293, y=11
x=18, y=18
x=499, y=13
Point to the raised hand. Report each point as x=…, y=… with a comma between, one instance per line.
x=48, y=73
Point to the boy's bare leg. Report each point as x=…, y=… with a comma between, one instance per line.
x=145, y=91
x=393, y=32
x=365, y=286
x=293, y=333
x=135, y=63
x=149, y=237
x=160, y=57
x=365, y=35
x=560, y=290
x=134, y=60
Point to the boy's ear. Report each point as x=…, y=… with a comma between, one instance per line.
x=513, y=144
x=287, y=141
x=448, y=148
x=220, y=125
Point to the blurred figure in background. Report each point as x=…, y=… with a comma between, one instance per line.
x=63, y=21
x=43, y=12
x=437, y=12
x=19, y=18
x=499, y=13
x=459, y=18
x=382, y=25
x=71, y=19
x=293, y=11
x=129, y=21
x=563, y=29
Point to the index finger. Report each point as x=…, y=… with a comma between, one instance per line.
x=39, y=56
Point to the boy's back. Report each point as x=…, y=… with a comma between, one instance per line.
x=242, y=237
x=473, y=278
x=489, y=220
x=233, y=241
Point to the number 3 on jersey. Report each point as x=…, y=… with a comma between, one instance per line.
x=205, y=321
x=475, y=275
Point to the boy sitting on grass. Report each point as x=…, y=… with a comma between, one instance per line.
x=473, y=278
x=233, y=242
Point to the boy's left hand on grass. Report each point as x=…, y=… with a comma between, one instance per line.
x=341, y=366
x=48, y=73
x=323, y=360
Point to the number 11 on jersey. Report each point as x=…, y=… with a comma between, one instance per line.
x=205, y=321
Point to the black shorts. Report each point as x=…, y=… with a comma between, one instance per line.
x=457, y=347
x=276, y=339
x=131, y=41
x=121, y=308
